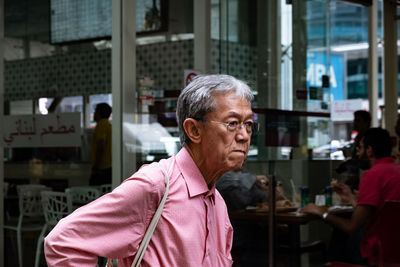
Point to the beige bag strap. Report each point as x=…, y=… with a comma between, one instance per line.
x=153, y=223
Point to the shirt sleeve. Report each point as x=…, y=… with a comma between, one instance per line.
x=111, y=226
x=369, y=189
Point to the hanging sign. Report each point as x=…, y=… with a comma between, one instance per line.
x=343, y=110
x=52, y=130
x=188, y=75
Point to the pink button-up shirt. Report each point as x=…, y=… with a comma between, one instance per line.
x=194, y=228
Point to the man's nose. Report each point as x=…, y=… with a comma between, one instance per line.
x=242, y=133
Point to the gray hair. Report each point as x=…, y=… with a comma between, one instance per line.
x=196, y=99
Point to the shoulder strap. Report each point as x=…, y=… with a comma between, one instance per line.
x=153, y=223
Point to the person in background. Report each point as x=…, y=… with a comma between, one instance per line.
x=397, y=130
x=100, y=153
x=344, y=247
x=351, y=167
x=215, y=122
x=239, y=189
x=378, y=184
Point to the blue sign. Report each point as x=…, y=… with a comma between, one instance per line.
x=317, y=66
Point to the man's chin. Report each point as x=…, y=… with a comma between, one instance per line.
x=237, y=165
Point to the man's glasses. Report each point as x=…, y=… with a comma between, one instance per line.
x=234, y=126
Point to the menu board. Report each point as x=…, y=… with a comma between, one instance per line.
x=73, y=20
x=78, y=20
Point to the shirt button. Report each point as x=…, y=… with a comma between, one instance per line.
x=207, y=253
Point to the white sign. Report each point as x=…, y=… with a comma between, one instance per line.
x=343, y=110
x=188, y=75
x=53, y=130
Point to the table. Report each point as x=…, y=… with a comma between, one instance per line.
x=292, y=219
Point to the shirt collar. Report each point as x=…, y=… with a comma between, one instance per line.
x=102, y=121
x=384, y=160
x=191, y=174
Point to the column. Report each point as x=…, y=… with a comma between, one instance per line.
x=269, y=53
x=1, y=132
x=123, y=89
x=373, y=62
x=202, y=35
x=268, y=67
x=86, y=111
x=390, y=65
x=299, y=61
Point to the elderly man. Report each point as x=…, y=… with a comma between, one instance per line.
x=379, y=184
x=215, y=122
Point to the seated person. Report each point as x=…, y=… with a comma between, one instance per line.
x=342, y=246
x=239, y=190
x=378, y=184
x=351, y=167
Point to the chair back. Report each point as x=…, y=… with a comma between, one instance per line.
x=389, y=233
x=55, y=206
x=29, y=199
x=105, y=188
x=81, y=195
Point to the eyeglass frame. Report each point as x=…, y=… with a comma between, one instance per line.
x=254, y=125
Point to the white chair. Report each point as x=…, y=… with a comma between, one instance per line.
x=105, y=188
x=5, y=191
x=55, y=207
x=30, y=217
x=81, y=195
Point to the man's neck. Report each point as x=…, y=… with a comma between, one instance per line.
x=371, y=160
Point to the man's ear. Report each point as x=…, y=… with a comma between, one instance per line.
x=193, y=130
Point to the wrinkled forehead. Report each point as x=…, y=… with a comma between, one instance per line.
x=223, y=94
x=239, y=104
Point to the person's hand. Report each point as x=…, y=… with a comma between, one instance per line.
x=279, y=194
x=312, y=209
x=262, y=182
x=345, y=193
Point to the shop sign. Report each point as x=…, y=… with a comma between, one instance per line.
x=343, y=110
x=147, y=100
x=188, y=75
x=52, y=130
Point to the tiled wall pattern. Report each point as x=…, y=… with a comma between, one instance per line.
x=60, y=75
x=89, y=72
x=236, y=59
x=164, y=63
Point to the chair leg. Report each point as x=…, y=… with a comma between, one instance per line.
x=39, y=245
x=19, y=245
x=13, y=239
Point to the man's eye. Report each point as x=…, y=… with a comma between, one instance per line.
x=249, y=124
x=233, y=124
